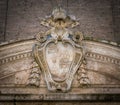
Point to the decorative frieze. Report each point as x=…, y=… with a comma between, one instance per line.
x=103, y=58
x=15, y=57
x=100, y=57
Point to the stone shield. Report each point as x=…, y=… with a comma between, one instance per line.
x=59, y=62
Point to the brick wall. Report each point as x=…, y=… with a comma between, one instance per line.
x=116, y=19
x=3, y=11
x=98, y=18
x=24, y=17
x=95, y=18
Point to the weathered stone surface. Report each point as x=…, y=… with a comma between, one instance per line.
x=16, y=60
x=21, y=20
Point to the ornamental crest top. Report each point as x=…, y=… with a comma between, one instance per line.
x=60, y=18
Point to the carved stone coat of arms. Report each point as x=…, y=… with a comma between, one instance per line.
x=59, y=52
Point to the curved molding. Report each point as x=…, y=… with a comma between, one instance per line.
x=103, y=58
x=90, y=55
x=14, y=55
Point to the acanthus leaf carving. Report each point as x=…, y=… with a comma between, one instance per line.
x=34, y=77
x=82, y=76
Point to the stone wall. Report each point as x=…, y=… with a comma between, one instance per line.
x=99, y=19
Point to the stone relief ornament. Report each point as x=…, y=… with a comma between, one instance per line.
x=82, y=77
x=34, y=77
x=59, y=52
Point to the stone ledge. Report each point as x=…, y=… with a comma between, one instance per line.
x=86, y=39
x=61, y=97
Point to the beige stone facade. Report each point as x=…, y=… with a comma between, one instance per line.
x=16, y=63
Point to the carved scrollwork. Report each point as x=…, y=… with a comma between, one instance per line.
x=59, y=16
x=78, y=37
x=34, y=77
x=41, y=37
x=82, y=77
